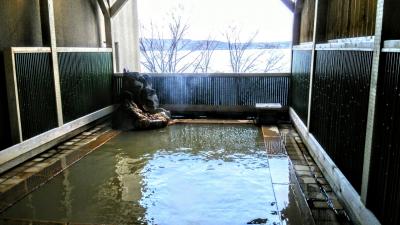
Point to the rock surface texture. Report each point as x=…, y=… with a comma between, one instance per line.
x=139, y=108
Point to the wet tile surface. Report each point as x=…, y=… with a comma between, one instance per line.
x=325, y=207
x=21, y=180
x=288, y=205
x=291, y=203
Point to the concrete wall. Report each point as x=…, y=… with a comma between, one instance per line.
x=125, y=34
x=77, y=23
x=20, y=23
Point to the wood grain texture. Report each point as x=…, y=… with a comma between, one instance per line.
x=352, y=18
x=343, y=19
x=307, y=21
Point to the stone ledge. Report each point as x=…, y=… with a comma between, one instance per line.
x=28, y=176
x=322, y=201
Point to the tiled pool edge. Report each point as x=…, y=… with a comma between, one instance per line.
x=322, y=201
x=28, y=176
x=275, y=148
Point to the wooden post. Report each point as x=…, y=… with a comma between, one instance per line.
x=48, y=10
x=320, y=21
x=318, y=36
x=297, y=22
x=105, y=9
x=12, y=94
x=376, y=62
x=116, y=54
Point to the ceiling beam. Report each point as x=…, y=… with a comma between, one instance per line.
x=117, y=6
x=107, y=21
x=104, y=8
x=290, y=4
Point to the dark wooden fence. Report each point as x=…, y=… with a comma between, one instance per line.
x=222, y=89
x=300, y=82
x=86, y=82
x=341, y=84
x=384, y=184
x=218, y=92
x=36, y=93
x=339, y=108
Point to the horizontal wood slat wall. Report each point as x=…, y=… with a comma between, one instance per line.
x=307, y=21
x=344, y=19
x=350, y=18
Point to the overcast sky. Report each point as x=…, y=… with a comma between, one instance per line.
x=270, y=18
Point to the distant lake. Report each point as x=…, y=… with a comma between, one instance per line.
x=220, y=60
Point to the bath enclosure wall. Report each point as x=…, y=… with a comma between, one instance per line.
x=77, y=24
x=345, y=89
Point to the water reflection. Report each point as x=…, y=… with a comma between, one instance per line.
x=194, y=189
x=279, y=167
x=130, y=179
x=183, y=174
